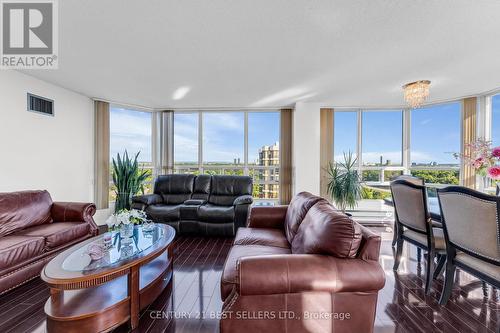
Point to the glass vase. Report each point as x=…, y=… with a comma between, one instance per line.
x=126, y=230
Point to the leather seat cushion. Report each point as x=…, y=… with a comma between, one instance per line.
x=261, y=236
x=230, y=273
x=479, y=265
x=215, y=213
x=16, y=249
x=439, y=242
x=57, y=233
x=164, y=213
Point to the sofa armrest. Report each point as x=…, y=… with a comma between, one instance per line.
x=148, y=199
x=369, y=248
x=267, y=217
x=75, y=212
x=295, y=273
x=195, y=202
x=243, y=200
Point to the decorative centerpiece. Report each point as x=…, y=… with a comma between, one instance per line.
x=484, y=159
x=125, y=220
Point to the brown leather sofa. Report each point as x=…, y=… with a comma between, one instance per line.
x=305, y=267
x=33, y=229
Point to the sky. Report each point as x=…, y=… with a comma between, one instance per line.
x=435, y=134
x=495, y=130
x=223, y=134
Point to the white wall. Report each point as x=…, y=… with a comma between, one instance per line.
x=44, y=152
x=306, y=147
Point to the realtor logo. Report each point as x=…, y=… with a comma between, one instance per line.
x=29, y=34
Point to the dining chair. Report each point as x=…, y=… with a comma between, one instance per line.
x=472, y=234
x=411, y=179
x=415, y=226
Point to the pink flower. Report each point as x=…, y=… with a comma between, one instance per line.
x=494, y=172
x=496, y=152
x=478, y=162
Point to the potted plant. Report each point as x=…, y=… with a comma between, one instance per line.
x=344, y=186
x=128, y=180
x=125, y=220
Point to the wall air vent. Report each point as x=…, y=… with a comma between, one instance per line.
x=40, y=105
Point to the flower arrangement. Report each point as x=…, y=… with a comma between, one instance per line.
x=126, y=217
x=484, y=159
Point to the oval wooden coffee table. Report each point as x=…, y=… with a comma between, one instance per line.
x=99, y=295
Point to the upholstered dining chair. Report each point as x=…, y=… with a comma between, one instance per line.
x=472, y=234
x=413, y=180
x=415, y=226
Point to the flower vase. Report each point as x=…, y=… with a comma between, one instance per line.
x=126, y=230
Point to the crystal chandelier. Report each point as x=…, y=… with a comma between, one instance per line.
x=416, y=93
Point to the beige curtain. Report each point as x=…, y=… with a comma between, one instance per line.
x=163, y=142
x=101, y=152
x=285, y=188
x=326, y=148
x=469, y=115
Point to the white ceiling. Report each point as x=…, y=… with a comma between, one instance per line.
x=263, y=53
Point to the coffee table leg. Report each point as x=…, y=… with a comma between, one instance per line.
x=133, y=292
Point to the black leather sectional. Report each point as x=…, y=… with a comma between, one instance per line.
x=210, y=205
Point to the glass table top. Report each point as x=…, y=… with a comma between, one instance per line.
x=96, y=255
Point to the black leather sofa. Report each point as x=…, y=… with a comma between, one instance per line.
x=209, y=205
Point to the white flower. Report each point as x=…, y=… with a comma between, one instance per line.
x=138, y=214
x=111, y=221
x=123, y=217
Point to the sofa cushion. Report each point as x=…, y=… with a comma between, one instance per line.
x=57, y=233
x=16, y=249
x=202, y=186
x=215, y=213
x=230, y=273
x=326, y=230
x=297, y=210
x=175, y=189
x=261, y=236
x=227, y=188
x=164, y=213
x=19, y=210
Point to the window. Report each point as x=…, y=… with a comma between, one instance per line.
x=495, y=120
x=223, y=139
x=186, y=142
x=345, y=128
x=130, y=131
x=263, y=153
x=382, y=138
x=435, y=136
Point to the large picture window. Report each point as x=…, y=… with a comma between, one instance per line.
x=232, y=143
x=435, y=136
x=130, y=131
x=382, y=138
x=345, y=136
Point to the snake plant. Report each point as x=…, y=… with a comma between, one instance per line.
x=128, y=179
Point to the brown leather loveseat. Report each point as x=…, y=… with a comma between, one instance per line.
x=33, y=229
x=305, y=267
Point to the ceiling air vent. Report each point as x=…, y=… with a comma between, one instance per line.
x=40, y=105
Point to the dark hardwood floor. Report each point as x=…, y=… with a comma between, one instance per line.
x=193, y=304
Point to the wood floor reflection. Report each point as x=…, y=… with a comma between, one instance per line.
x=193, y=304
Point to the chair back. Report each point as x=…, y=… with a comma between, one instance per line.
x=410, y=204
x=471, y=221
x=411, y=179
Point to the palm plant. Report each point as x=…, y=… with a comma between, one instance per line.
x=128, y=180
x=344, y=186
